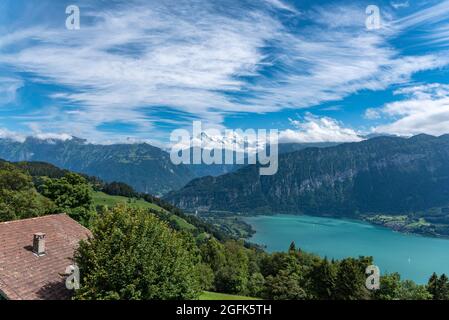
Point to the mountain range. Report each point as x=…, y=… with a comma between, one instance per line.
x=380, y=175
x=145, y=167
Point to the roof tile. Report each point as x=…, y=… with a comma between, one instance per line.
x=23, y=275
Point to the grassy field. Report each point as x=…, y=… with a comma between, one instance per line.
x=101, y=198
x=221, y=296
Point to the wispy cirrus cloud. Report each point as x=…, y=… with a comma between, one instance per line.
x=399, y=4
x=433, y=19
x=206, y=61
x=145, y=56
x=430, y=14
x=279, y=4
x=8, y=89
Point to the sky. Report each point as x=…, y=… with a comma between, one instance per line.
x=136, y=70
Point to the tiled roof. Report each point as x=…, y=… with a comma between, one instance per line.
x=25, y=276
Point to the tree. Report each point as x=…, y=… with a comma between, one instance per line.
x=411, y=291
x=232, y=276
x=444, y=287
x=68, y=192
x=433, y=286
x=390, y=285
x=72, y=194
x=14, y=179
x=256, y=285
x=134, y=255
x=292, y=248
x=206, y=276
x=212, y=253
x=438, y=287
x=324, y=276
x=119, y=189
x=18, y=197
x=273, y=263
x=350, y=281
x=285, y=286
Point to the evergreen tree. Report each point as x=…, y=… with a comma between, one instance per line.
x=324, y=277
x=433, y=286
x=438, y=287
x=443, y=284
x=350, y=281
x=292, y=248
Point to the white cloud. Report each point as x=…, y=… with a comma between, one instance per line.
x=8, y=89
x=309, y=129
x=183, y=60
x=282, y=5
x=7, y=134
x=399, y=5
x=425, y=109
x=36, y=133
x=432, y=18
x=431, y=14
x=190, y=56
x=53, y=136
x=372, y=113
x=318, y=129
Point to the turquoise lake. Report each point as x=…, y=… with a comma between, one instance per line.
x=414, y=257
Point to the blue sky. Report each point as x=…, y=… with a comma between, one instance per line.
x=136, y=70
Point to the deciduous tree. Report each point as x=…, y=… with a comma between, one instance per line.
x=134, y=255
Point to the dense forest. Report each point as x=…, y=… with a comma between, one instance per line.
x=138, y=253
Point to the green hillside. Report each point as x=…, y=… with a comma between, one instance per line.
x=101, y=198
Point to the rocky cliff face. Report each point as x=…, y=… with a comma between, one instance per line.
x=384, y=174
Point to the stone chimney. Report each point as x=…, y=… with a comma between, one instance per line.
x=39, y=244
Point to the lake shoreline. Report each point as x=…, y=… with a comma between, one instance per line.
x=414, y=256
x=404, y=224
x=396, y=225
